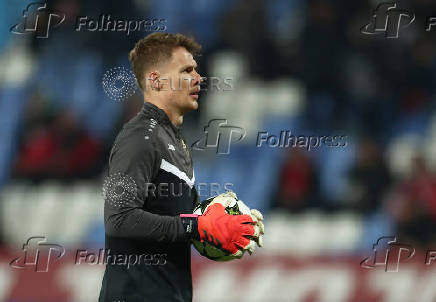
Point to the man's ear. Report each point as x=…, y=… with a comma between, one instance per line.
x=154, y=80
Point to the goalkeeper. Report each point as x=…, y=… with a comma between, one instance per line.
x=146, y=218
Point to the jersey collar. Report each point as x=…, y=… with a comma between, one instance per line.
x=151, y=110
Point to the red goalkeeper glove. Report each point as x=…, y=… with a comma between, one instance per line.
x=227, y=232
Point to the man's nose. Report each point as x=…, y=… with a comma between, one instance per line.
x=197, y=79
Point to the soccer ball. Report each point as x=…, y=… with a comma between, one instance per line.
x=233, y=206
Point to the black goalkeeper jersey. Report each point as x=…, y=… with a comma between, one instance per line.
x=150, y=182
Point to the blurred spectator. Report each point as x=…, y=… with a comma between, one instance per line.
x=258, y=51
x=369, y=178
x=418, y=85
x=322, y=44
x=58, y=148
x=412, y=204
x=297, y=185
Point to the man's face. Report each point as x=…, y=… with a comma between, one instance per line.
x=180, y=81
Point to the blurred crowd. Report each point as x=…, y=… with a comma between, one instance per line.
x=378, y=92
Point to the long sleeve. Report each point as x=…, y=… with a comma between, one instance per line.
x=134, y=161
